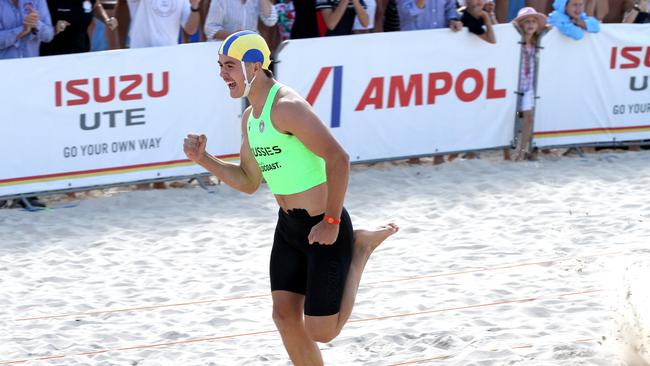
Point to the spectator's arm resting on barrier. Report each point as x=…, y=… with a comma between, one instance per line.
x=592, y=25
x=452, y=16
x=489, y=35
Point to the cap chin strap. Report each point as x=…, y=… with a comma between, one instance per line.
x=247, y=84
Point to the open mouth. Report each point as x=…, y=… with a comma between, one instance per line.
x=231, y=84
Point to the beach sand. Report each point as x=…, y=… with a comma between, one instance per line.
x=496, y=263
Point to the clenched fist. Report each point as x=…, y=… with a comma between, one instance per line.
x=194, y=146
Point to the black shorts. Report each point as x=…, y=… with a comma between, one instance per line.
x=316, y=271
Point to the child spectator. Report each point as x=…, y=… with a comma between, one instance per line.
x=530, y=24
x=569, y=17
x=489, y=8
x=478, y=20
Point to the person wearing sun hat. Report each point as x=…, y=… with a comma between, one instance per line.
x=317, y=259
x=570, y=19
x=531, y=24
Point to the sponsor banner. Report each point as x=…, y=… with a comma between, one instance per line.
x=100, y=118
x=596, y=89
x=399, y=94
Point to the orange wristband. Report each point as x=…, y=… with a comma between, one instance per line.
x=331, y=220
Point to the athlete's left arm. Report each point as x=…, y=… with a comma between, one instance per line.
x=295, y=116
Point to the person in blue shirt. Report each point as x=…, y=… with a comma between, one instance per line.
x=569, y=17
x=428, y=14
x=24, y=24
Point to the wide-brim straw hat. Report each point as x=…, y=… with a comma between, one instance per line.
x=530, y=12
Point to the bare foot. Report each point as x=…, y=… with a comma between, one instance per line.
x=438, y=159
x=366, y=241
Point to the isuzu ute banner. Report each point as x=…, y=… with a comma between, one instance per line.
x=110, y=117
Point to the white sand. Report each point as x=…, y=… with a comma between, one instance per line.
x=149, y=248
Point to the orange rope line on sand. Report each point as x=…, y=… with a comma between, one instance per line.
x=509, y=266
x=446, y=274
x=209, y=339
x=97, y=312
x=424, y=360
x=502, y=302
x=445, y=357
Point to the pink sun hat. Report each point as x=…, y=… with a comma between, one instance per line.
x=530, y=12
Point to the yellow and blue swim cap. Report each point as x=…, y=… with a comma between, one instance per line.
x=247, y=46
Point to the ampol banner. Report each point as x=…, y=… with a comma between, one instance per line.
x=401, y=94
x=596, y=89
x=107, y=117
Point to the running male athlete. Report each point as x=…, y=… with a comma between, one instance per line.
x=316, y=260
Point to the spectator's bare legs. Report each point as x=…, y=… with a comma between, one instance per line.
x=438, y=159
x=299, y=336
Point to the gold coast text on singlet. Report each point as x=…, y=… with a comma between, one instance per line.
x=287, y=165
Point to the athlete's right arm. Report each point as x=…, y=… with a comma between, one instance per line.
x=245, y=176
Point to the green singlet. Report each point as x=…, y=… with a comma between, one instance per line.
x=287, y=165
